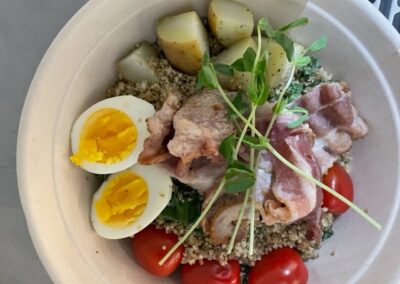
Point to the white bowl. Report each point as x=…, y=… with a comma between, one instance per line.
x=79, y=66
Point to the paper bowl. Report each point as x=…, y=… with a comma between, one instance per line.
x=363, y=50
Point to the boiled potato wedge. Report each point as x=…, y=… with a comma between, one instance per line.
x=278, y=65
x=184, y=40
x=230, y=55
x=230, y=21
x=135, y=67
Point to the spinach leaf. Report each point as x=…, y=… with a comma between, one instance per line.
x=184, y=206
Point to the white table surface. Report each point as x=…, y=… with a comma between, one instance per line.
x=27, y=28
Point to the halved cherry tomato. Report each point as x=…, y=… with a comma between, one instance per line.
x=339, y=180
x=149, y=247
x=211, y=272
x=281, y=266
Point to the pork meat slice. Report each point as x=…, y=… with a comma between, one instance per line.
x=160, y=126
x=291, y=197
x=333, y=119
x=184, y=140
x=281, y=195
x=221, y=220
x=200, y=126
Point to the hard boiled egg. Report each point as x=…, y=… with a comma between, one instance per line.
x=129, y=201
x=108, y=137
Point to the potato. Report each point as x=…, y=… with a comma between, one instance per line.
x=230, y=21
x=230, y=55
x=278, y=65
x=135, y=67
x=184, y=40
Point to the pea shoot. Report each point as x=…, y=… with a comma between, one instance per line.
x=240, y=176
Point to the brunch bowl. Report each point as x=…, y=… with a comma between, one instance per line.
x=79, y=67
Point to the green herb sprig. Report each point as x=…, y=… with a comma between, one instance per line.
x=240, y=177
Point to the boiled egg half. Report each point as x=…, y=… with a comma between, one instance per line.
x=108, y=137
x=129, y=201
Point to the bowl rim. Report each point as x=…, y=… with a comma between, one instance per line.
x=60, y=274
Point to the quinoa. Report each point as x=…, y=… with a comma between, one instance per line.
x=156, y=93
x=267, y=238
x=344, y=160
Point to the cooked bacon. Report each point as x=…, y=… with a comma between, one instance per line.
x=200, y=126
x=159, y=126
x=202, y=175
x=334, y=120
x=185, y=140
x=221, y=219
x=291, y=197
x=281, y=195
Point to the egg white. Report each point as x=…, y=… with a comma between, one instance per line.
x=137, y=109
x=159, y=185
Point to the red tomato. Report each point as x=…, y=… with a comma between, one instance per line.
x=281, y=266
x=339, y=180
x=149, y=247
x=211, y=272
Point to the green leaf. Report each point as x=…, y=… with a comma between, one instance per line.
x=249, y=57
x=184, y=205
x=279, y=106
x=302, y=61
x=262, y=24
x=239, y=65
x=294, y=91
x=206, y=59
x=227, y=149
x=286, y=43
x=257, y=143
x=327, y=233
x=237, y=167
x=239, y=183
x=239, y=177
x=294, y=24
x=224, y=69
x=298, y=121
x=252, y=91
x=261, y=66
x=319, y=44
x=199, y=84
x=266, y=26
x=207, y=78
x=310, y=69
x=298, y=109
x=240, y=105
x=262, y=88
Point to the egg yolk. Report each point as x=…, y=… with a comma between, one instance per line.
x=123, y=200
x=108, y=136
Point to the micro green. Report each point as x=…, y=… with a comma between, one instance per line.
x=240, y=176
x=224, y=69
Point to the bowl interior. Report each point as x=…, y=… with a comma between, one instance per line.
x=82, y=65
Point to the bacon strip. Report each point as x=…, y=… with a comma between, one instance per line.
x=334, y=120
x=160, y=126
x=185, y=140
x=292, y=197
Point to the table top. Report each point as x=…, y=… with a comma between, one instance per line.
x=27, y=28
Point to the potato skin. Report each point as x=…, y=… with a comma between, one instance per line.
x=228, y=56
x=135, y=67
x=184, y=40
x=223, y=28
x=185, y=57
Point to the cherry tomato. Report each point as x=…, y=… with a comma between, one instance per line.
x=211, y=272
x=339, y=180
x=149, y=247
x=281, y=266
